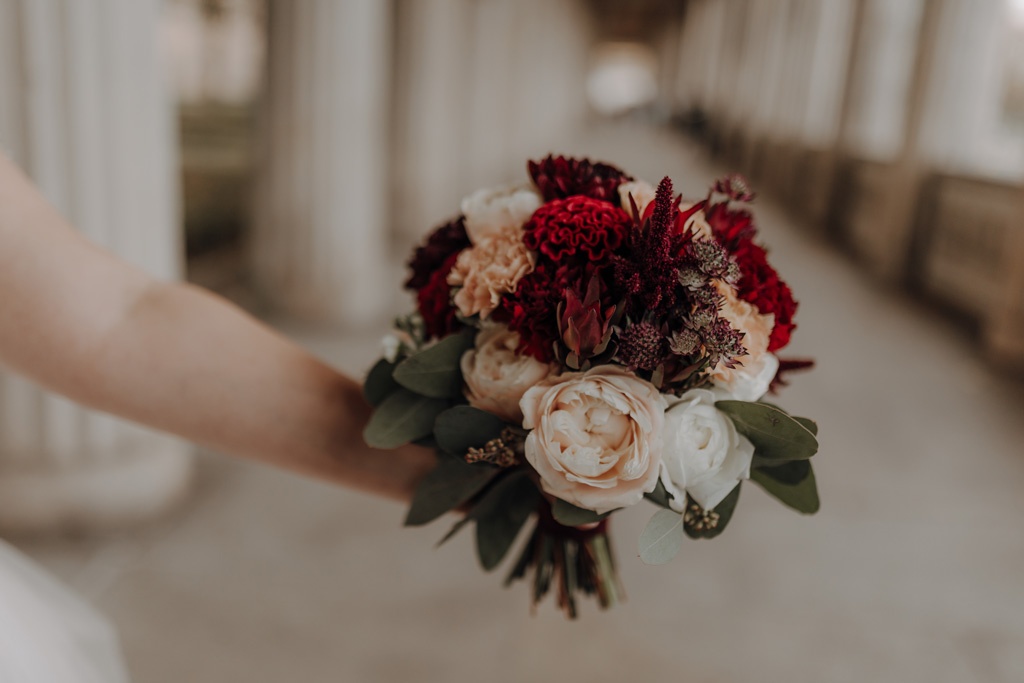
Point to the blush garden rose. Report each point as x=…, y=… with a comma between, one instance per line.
x=489, y=212
x=595, y=437
x=496, y=376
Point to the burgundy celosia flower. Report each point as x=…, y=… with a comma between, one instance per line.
x=434, y=301
x=561, y=177
x=576, y=227
x=449, y=239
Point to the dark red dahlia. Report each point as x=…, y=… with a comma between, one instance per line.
x=561, y=177
x=761, y=286
x=450, y=238
x=576, y=229
x=759, y=283
x=434, y=301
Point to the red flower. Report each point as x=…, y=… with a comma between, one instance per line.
x=648, y=274
x=578, y=226
x=532, y=309
x=449, y=239
x=762, y=286
x=584, y=324
x=434, y=301
x=561, y=177
x=759, y=283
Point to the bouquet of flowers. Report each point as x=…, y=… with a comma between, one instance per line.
x=583, y=343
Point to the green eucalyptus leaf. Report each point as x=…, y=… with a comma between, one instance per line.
x=500, y=514
x=568, y=514
x=379, y=382
x=401, y=418
x=435, y=370
x=792, y=483
x=662, y=537
x=808, y=424
x=775, y=435
x=724, y=511
x=447, y=486
x=456, y=528
x=659, y=496
x=463, y=427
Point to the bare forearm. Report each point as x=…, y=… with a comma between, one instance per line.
x=175, y=357
x=220, y=378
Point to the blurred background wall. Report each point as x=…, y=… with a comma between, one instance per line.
x=289, y=154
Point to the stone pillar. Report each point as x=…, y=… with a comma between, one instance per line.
x=84, y=110
x=481, y=86
x=321, y=210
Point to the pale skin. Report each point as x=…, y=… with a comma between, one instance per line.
x=175, y=357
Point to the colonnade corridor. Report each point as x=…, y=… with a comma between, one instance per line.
x=911, y=571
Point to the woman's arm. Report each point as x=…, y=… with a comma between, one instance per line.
x=172, y=356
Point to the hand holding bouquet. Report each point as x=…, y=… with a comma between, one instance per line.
x=583, y=343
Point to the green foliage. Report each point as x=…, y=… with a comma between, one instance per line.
x=808, y=424
x=379, y=383
x=775, y=435
x=463, y=427
x=401, y=418
x=569, y=515
x=792, y=483
x=435, y=370
x=500, y=514
x=662, y=537
x=447, y=486
x=724, y=512
x=659, y=496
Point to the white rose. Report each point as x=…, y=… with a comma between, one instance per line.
x=490, y=211
x=596, y=439
x=704, y=454
x=496, y=376
x=750, y=378
x=642, y=193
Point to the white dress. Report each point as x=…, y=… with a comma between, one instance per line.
x=49, y=635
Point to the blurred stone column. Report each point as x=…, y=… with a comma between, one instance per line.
x=84, y=111
x=481, y=86
x=322, y=219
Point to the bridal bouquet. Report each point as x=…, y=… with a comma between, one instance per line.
x=583, y=343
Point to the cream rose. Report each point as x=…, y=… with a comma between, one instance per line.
x=642, y=193
x=489, y=269
x=491, y=211
x=704, y=454
x=596, y=439
x=496, y=376
x=756, y=369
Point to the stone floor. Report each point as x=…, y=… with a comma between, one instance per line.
x=912, y=571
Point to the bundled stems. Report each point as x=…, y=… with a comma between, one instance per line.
x=572, y=560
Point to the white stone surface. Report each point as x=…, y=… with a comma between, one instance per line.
x=912, y=571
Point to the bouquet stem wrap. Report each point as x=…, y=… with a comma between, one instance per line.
x=574, y=561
